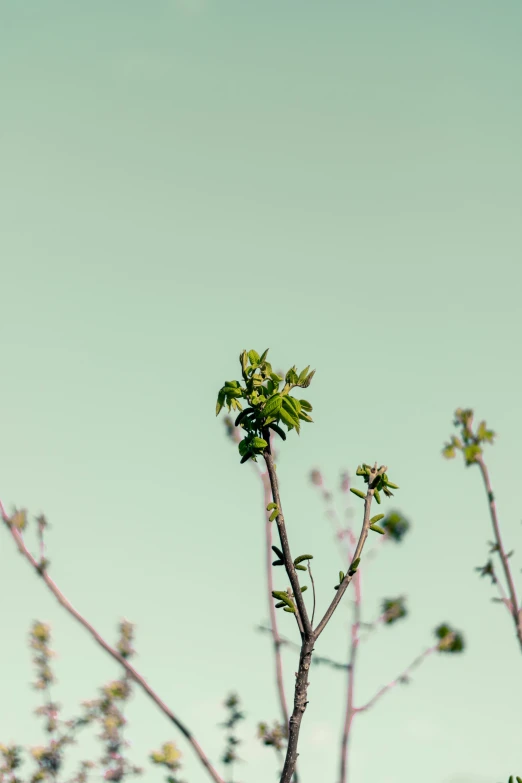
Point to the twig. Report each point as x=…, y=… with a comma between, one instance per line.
x=515, y=611
x=418, y=660
x=18, y=538
x=313, y=590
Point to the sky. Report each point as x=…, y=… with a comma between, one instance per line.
x=341, y=183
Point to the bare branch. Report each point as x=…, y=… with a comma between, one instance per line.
x=400, y=679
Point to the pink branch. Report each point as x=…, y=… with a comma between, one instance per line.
x=420, y=658
x=18, y=539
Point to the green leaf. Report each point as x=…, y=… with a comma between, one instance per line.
x=448, y=452
x=290, y=420
x=291, y=376
x=302, y=375
x=263, y=356
x=271, y=505
x=279, y=431
x=289, y=609
x=354, y=565
x=254, y=357
x=258, y=443
x=377, y=496
x=276, y=378
x=220, y=401
x=273, y=406
x=273, y=515
x=278, y=562
x=377, y=529
x=243, y=358
x=232, y=384
x=305, y=405
x=291, y=404
x=393, y=486
x=341, y=576
x=280, y=604
x=301, y=568
x=376, y=518
x=303, y=557
x=305, y=417
x=308, y=380
x=303, y=589
x=278, y=552
x=358, y=492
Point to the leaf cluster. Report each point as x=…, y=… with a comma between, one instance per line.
x=470, y=441
x=269, y=402
x=380, y=482
x=450, y=641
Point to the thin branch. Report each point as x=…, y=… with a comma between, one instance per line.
x=273, y=618
x=350, y=710
x=516, y=612
x=313, y=590
x=358, y=550
x=18, y=538
x=285, y=546
x=401, y=678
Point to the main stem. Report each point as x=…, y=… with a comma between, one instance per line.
x=516, y=611
x=273, y=619
x=307, y=634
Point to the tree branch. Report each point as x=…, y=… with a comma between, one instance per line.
x=418, y=660
x=18, y=539
x=515, y=611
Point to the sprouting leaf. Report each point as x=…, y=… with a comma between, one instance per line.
x=220, y=401
x=289, y=609
x=307, y=381
x=393, y=486
x=358, y=492
x=271, y=505
x=341, y=576
x=376, y=518
x=302, y=374
x=291, y=376
x=305, y=405
x=377, y=529
x=354, y=566
x=278, y=562
x=306, y=417
x=259, y=443
x=276, y=378
x=303, y=557
x=273, y=515
x=263, y=357
x=254, y=357
x=19, y=519
x=448, y=452
x=305, y=587
x=377, y=496
x=301, y=568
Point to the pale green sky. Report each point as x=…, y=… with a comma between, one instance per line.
x=340, y=182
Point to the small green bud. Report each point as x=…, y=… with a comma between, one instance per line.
x=358, y=492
